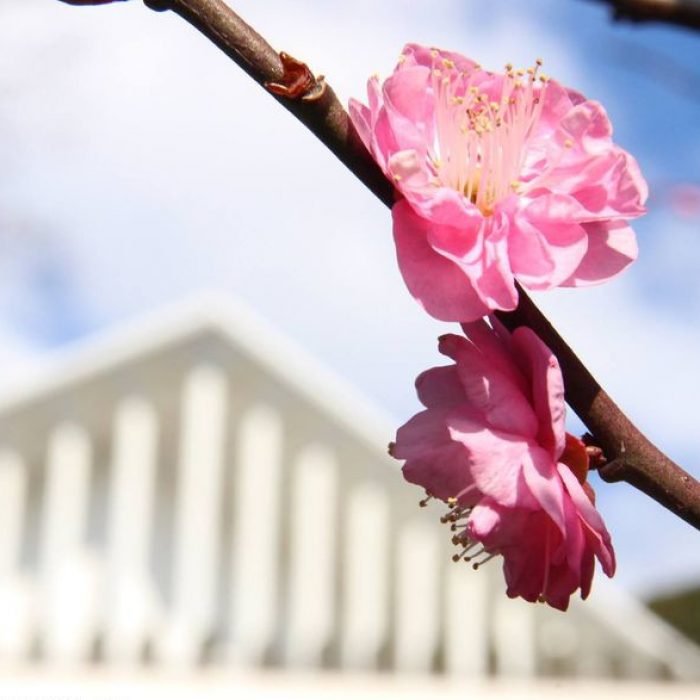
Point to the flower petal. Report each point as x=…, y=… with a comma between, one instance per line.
x=495, y=458
x=439, y=386
x=600, y=538
x=612, y=246
x=540, y=475
x=547, y=390
x=433, y=460
x=438, y=284
x=545, y=252
x=492, y=394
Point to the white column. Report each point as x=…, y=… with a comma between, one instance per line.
x=514, y=636
x=417, y=596
x=131, y=599
x=311, y=593
x=255, y=534
x=466, y=625
x=366, y=577
x=560, y=640
x=197, y=535
x=70, y=574
x=16, y=590
x=13, y=494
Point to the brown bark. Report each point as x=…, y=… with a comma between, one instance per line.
x=682, y=13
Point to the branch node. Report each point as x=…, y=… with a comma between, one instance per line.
x=298, y=82
x=613, y=471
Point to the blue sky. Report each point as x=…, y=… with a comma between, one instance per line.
x=141, y=166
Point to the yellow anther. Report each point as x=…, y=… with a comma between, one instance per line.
x=448, y=63
x=434, y=53
x=494, y=106
x=538, y=61
x=568, y=143
x=509, y=67
x=397, y=178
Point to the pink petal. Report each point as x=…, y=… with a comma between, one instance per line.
x=409, y=172
x=495, y=458
x=361, y=118
x=415, y=54
x=522, y=538
x=439, y=387
x=495, y=343
x=495, y=283
x=499, y=401
x=540, y=475
x=591, y=518
x=433, y=460
x=545, y=252
x=611, y=187
x=409, y=107
x=556, y=104
x=439, y=285
x=485, y=520
x=588, y=125
x=446, y=208
x=612, y=246
x=547, y=390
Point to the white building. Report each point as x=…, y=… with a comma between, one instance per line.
x=193, y=493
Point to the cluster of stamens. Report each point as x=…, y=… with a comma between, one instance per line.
x=480, y=138
x=456, y=517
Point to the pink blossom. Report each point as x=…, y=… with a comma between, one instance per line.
x=492, y=445
x=502, y=176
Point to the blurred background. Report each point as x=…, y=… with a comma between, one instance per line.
x=170, y=238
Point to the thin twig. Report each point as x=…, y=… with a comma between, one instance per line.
x=636, y=460
x=682, y=13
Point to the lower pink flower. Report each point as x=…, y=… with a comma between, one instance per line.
x=492, y=445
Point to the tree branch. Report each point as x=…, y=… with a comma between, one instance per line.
x=636, y=460
x=683, y=13
x=90, y=2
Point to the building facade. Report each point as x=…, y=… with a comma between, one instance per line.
x=192, y=492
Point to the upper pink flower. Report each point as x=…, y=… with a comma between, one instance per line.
x=503, y=176
x=492, y=444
